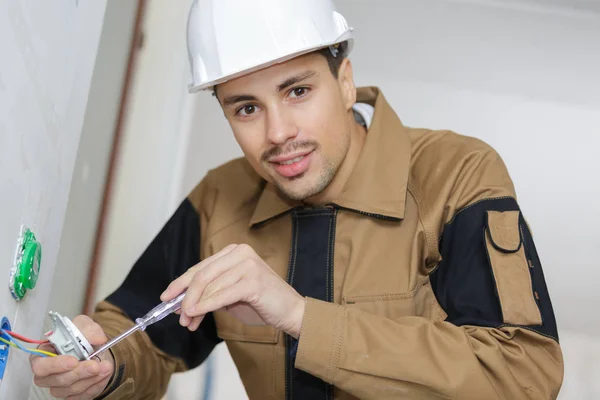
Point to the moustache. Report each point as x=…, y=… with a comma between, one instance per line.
x=289, y=148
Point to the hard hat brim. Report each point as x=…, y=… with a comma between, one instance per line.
x=345, y=37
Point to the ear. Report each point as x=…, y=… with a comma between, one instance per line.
x=346, y=82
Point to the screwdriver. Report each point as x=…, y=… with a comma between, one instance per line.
x=153, y=316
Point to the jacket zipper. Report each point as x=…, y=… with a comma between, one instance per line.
x=376, y=216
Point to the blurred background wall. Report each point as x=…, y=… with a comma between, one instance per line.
x=521, y=75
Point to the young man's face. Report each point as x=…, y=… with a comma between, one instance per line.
x=293, y=122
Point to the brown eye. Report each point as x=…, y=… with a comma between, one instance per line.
x=247, y=110
x=299, y=92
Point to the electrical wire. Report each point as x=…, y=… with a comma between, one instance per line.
x=37, y=352
x=16, y=344
x=25, y=339
x=42, y=353
x=11, y=344
x=12, y=341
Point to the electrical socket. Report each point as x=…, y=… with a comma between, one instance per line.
x=4, y=348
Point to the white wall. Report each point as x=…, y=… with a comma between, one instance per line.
x=48, y=51
x=520, y=75
x=93, y=155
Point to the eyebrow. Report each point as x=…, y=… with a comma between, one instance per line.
x=295, y=79
x=231, y=100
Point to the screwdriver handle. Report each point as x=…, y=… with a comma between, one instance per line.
x=160, y=311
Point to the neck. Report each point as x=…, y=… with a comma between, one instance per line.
x=358, y=134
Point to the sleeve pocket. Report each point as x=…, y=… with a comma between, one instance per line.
x=510, y=268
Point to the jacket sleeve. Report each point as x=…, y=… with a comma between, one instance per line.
x=499, y=340
x=145, y=361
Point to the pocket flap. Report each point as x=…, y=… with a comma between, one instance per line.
x=503, y=227
x=510, y=269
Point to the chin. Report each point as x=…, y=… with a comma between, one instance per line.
x=306, y=185
x=293, y=193
x=296, y=189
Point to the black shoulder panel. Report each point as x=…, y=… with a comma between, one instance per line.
x=463, y=282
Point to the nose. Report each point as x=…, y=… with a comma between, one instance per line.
x=280, y=126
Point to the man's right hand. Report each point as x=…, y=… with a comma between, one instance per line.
x=69, y=378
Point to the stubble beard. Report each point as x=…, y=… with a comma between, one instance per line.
x=324, y=179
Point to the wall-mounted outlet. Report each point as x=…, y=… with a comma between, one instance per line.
x=4, y=348
x=26, y=264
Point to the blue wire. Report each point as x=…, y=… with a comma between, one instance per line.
x=16, y=342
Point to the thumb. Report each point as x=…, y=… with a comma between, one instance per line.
x=90, y=329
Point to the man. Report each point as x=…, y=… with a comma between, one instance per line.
x=345, y=256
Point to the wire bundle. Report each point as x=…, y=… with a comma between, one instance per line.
x=13, y=341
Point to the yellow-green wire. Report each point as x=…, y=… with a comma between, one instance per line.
x=46, y=353
x=7, y=342
x=33, y=351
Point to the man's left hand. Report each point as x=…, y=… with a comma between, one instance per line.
x=237, y=280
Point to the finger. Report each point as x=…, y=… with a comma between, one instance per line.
x=239, y=292
x=91, y=393
x=184, y=320
x=228, y=278
x=81, y=386
x=47, y=366
x=180, y=284
x=195, y=324
x=90, y=329
x=209, y=273
x=85, y=370
x=222, y=282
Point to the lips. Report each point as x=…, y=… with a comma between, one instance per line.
x=292, y=165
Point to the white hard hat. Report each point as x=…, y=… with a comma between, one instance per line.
x=230, y=38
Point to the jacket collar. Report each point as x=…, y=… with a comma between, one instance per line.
x=379, y=181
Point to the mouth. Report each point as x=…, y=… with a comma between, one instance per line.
x=292, y=165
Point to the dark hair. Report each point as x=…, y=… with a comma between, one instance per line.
x=335, y=62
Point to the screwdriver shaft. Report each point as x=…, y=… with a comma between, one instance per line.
x=115, y=340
